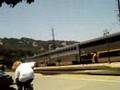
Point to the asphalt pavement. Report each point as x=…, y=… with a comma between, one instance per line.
x=74, y=82
x=107, y=77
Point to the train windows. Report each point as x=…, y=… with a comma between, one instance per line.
x=110, y=53
x=115, y=53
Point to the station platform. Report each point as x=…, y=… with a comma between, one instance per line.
x=94, y=69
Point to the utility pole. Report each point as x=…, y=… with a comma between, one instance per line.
x=118, y=9
x=106, y=34
x=53, y=38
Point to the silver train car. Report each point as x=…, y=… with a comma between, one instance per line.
x=98, y=50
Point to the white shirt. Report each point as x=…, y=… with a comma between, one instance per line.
x=25, y=72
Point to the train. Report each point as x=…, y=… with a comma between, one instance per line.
x=98, y=50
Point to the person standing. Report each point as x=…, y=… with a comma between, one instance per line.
x=95, y=57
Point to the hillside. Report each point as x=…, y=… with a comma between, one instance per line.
x=12, y=49
x=37, y=46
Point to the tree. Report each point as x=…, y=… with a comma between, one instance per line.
x=13, y=3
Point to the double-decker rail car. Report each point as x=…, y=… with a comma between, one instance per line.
x=99, y=50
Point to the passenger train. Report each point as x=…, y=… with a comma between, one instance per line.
x=98, y=50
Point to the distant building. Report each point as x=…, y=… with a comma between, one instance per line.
x=1, y=43
x=20, y=42
x=64, y=44
x=34, y=44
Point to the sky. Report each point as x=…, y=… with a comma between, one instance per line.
x=77, y=20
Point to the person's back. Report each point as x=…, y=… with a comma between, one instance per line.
x=24, y=74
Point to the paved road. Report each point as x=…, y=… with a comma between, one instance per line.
x=75, y=82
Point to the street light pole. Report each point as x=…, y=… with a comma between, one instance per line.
x=106, y=34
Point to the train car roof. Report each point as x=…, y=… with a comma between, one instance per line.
x=101, y=38
x=84, y=43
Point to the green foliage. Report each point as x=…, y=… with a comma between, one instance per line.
x=13, y=3
x=10, y=55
